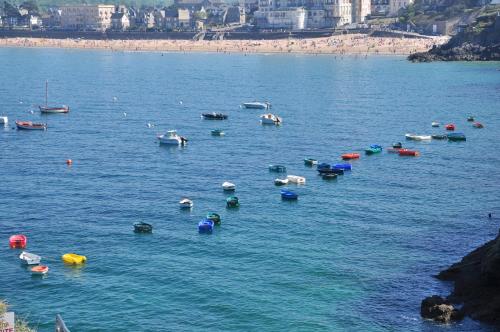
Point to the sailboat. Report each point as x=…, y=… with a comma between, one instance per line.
x=47, y=109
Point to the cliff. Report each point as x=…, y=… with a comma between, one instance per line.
x=477, y=283
x=479, y=41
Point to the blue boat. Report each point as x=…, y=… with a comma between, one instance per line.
x=277, y=168
x=456, y=137
x=374, y=148
x=206, y=226
x=323, y=166
x=345, y=167
x=288, y=195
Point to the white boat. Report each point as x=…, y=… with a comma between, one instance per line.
x=185, y=203
x=296, y=179
x=171, y=138
x=29, y=258
x=280, y=182
x=270, y=119
x=418, y=137
x=435, y=124
x=47, y=109
x=4, y=120
x=228, y=186
x=257, y=105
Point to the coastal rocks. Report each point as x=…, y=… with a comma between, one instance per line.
x=476, y=285
x=440, y=310
x=464, y=52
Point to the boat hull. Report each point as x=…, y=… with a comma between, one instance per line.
x=53, y=110
x=30, y=126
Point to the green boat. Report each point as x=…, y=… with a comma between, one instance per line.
x=310, y=161
x=214, y=217
x=456, y=137
x=217, y=132
x=373, y=150
x=232, y=202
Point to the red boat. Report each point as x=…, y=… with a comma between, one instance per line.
x=40, y=269
x=18, y=241
x=348, y=156
x=450, y=126
x=406, y=152
x=28, y=125
x=477, y=125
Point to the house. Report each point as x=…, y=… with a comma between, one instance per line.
x=52, y=19
x=120, y=21
x=396, y=5
x=184, y=17
x=87, y=17
x=35, y=21
x=171, y=21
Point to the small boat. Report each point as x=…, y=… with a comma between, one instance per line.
x=439, y=136
x=470, y=119
x=228, y=186
x=349, y=156
x=277, y=168
x=214, y=116
x=29, y=258
x=18, y=241
x=232, y=202
x=374, y=148
x=435, y=124
x=270, y=119
x=331, y=170
x=418, y=137
x=73, y=258
x=410, y=153
x=477, y=125
x=257, y=105
x=28, y=125
x=450, y=127
x=47, y=109
x=310, y=161
x=280, y=182
x=288, y=195
x=456, y=137
x=172, y=138
x=206, y=226
x=217, y=132
x=142, y=227
x=329, y=176
x=40, y=269
x=185, y=203
x=214, y=217
x=345, y=167
x=397, y=145
x=296, y=179
x=4, y=120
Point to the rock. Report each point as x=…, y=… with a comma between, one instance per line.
x=439, y=309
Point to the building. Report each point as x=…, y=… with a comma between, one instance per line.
x=87, y=17
x=360, y=10
x=285, y=18
x=120, y=21
x=396, y=5
x=234, y=14
x=380, y=7
x=184, y=18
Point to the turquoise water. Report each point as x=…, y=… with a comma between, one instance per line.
x=354, y=254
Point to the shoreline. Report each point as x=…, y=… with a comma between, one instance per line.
x=356, y=44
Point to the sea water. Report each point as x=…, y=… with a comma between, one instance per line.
x=355, y=254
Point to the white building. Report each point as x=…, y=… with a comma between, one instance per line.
x=87, y=17
x=396, y=5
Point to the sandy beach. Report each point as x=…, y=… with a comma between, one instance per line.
x=343, y=44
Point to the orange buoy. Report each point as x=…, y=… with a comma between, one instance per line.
x=69, y=162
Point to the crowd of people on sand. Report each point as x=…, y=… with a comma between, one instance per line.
x=341, y=44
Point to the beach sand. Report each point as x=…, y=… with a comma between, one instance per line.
x=343, y=44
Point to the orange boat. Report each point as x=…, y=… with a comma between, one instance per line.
x=348, y=156
x=40, y=269
x=411, y=153
x=28, y=125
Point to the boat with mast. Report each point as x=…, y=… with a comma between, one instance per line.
x=47, y=109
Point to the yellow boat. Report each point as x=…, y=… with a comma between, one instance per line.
x=73, y=258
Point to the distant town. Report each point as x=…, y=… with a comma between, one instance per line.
x=210, y=15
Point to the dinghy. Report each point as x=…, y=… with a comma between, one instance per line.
x=288, y=195
x=296, y=179
x=73, y=258
x=270, y=119
x=418, y=137
x=4, y=120
x=185, y=203
x=435, y=124
x=439, y=136
x=257, y=105
x=397, y=145
x=456, y=137
x=40, y=269
x=206, y=226
x=329, y=176
x=450, y=127
x=28, y=125
x=214, y=116
x=232, y=202
x=349, y=156
x=228, y=186
x=280, y=182
x=310, y=161
x=374, y=148
x=477, y=125
x=142, y=227
x=18, y=241
x=410, y=153
x=345, y=167
x=29, y=258
x=217, y=132
x=470, y=119
x=171, y=138
x=214, y=217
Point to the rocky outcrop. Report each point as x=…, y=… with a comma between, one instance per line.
x=476, y=285
x=478, y=42
x=440, y=310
